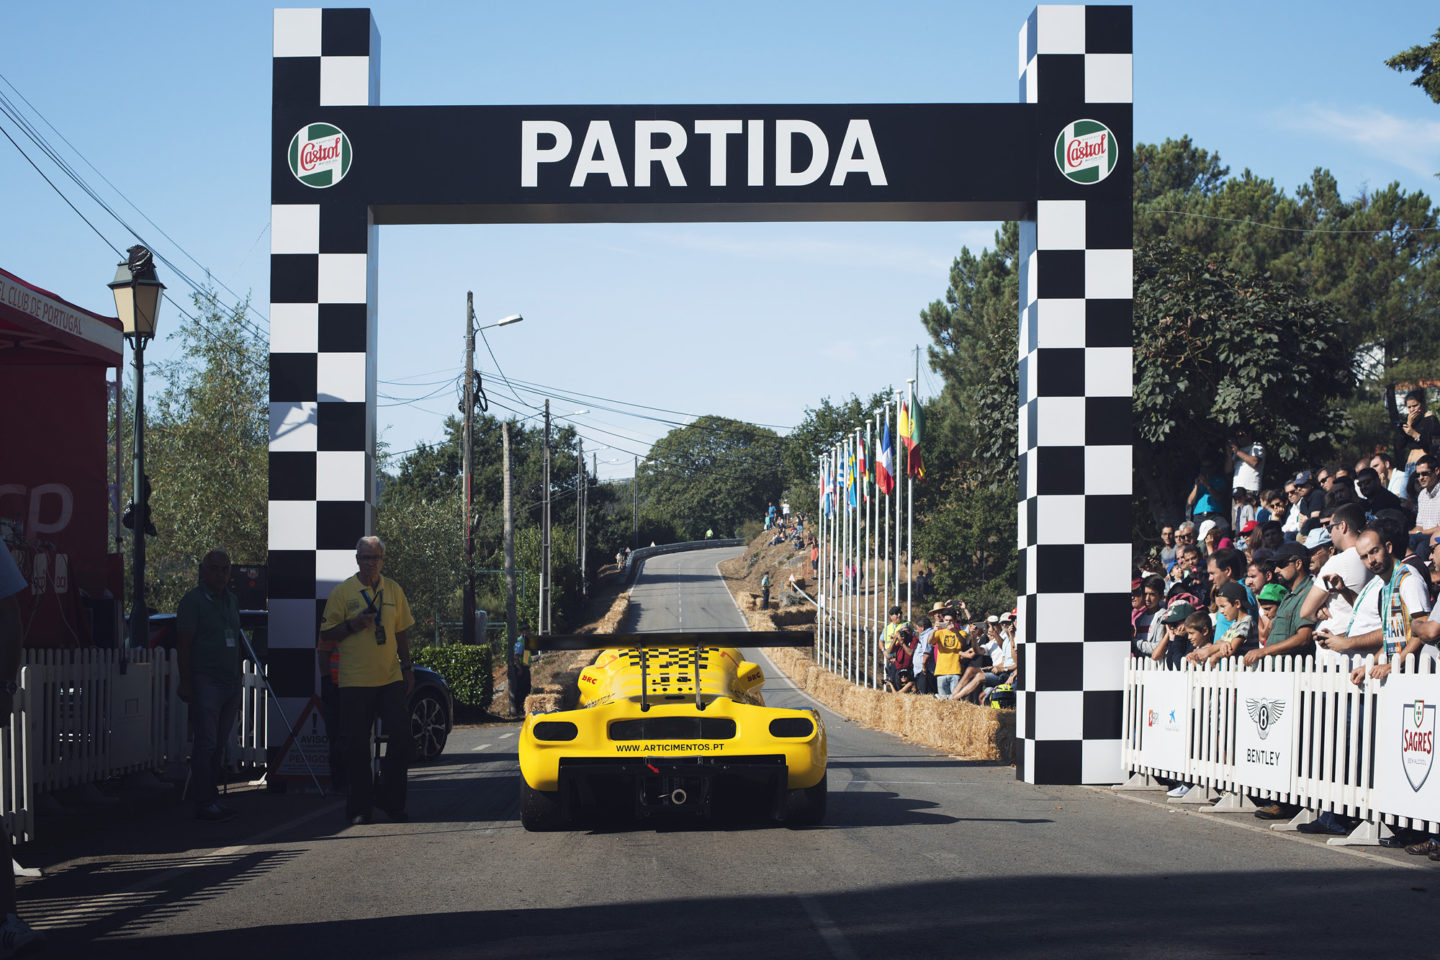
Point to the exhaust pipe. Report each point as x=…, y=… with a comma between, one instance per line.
x=679, y=796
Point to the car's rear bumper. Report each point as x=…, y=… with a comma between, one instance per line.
x=672, y=786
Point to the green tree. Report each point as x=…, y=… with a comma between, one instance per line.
x=1216, y=350
x=1425, y=59
x=206, y=442
x=712, y=474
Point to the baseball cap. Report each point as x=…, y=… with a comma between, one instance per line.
x=1291, y=551
x=1304, y=476
x=1271, y=593
x=1178, y=612
x=1205, y=528
x=1319, y=537
x=992, y=619
x=1250, y=527
x=1232, y=591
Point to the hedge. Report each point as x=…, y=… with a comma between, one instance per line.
x=467, y=670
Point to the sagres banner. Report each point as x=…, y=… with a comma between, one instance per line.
x=1406, y=782
x=1264, y=733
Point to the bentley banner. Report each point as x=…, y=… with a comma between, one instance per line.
x=1264, y=732
x=1406, y=782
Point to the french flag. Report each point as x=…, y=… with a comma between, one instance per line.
x=885, y=464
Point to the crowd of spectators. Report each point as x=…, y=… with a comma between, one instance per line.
x=952, y=655
x=1338, y=562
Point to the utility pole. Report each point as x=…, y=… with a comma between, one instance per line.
x=467, y=614
x=635, y=508
x=511, y=627
x=543, y=615
x=595, y=472
x=580, y=510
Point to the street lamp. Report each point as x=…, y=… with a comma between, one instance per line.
x=467, y=621
x=137, y=303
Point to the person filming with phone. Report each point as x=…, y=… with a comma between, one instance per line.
x=368, y=617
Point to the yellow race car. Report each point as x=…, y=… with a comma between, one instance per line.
x=671, y=725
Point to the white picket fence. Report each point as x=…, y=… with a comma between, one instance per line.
x=78, y=719
x=1336, y=746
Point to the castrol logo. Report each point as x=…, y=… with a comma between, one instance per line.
x=320, y=155
x=1086, y=151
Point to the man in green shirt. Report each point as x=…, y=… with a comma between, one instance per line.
x=208, y=628
x=1290, y=633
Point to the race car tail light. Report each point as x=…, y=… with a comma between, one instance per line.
x=555, y=730
x=792, y=727
x=674, y=728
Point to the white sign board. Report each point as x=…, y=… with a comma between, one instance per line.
x=1164, y=739
x=1264, y=730
x=1406, y=782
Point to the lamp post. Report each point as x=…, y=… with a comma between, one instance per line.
x=467, y=620
x=137, y=303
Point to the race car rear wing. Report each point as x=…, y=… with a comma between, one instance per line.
x=690, y=638
x=653, y=641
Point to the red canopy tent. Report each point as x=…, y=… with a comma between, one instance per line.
x=54, y=491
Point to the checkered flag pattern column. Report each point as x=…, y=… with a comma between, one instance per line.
x=322, y=348
x=1075, y=409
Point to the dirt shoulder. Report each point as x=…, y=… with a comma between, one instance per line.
x=961, y=729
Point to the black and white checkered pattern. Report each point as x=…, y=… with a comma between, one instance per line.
x=322, y=352
x=1075, y=415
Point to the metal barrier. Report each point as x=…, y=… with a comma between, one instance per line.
x=79, y=719
x=1294, y=731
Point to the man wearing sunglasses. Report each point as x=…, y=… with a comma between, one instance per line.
x=368, y=616
x=1427, y=507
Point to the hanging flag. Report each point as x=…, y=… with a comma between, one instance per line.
x=824, y=488
x=851, y=480
x=862, y=465
x=903, y=427
x=885, y=464
x=917, y=424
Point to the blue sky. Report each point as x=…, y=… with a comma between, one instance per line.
x=753, y=321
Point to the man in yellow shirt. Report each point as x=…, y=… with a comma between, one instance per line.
x=947, y=651
x=368, y=616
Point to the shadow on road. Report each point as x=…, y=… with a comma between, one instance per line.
x=1035, y=916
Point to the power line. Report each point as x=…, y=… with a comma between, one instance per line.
x=54, y=155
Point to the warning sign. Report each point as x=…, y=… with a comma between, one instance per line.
x=311, y=742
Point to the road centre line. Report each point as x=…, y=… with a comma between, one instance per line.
x=835, y=940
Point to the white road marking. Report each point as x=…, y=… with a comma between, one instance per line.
x=482, y=746
x=506, y=736
x=829, y=932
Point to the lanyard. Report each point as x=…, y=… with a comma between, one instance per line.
x=1387, y=607
x=376, y=606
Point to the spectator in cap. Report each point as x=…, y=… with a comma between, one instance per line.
x=1312, y=498
x=1268, y=599
x=1241, y=631
x=1249, y=536
x=1208, y=530
x=1290, y=633
x=1163, y=643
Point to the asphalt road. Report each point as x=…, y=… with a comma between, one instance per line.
x=921, y=855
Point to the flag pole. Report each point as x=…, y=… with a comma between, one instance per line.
x=910, y=508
